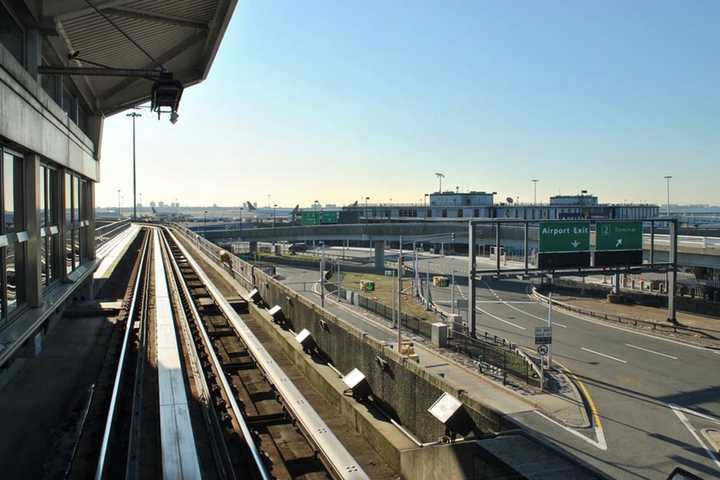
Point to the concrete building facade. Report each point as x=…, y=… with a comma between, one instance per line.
x=51, y=130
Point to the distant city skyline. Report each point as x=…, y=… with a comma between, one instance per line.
x=336, y=102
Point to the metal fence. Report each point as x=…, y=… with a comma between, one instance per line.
x=493, y=354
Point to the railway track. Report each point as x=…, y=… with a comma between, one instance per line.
x=266, y=428
x=249, y=419
x=119, y=452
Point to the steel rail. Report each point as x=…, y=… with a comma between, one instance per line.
x=109, y=422
x=245, y=430
x=338, y=459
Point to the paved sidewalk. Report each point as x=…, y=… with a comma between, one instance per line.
x=567, y=406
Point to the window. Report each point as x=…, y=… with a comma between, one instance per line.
x=12, y=36
x=76, y=211
x=11, y=256
x=48, y=224
x=476, y=213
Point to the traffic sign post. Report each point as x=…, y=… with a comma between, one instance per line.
x=564, y=245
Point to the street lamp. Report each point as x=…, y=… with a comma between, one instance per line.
x=440, y=176
x=667, y=180
x=134, y=115
x=535, y=180
x=366, y=209
x=119, y=204
x=205, y=216
x=274, y=213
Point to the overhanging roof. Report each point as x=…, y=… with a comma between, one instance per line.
x=183, y=35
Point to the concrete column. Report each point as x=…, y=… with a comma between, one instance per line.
x=90, y=230
x=253, y=247
x=33, y=52
x=616, y=283
x=31, y=201
x=379, y=255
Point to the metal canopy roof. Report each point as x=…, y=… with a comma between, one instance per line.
x=183, y=35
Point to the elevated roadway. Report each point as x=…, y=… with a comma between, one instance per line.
x=693, y=251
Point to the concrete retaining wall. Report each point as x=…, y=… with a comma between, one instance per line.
x=404, y=389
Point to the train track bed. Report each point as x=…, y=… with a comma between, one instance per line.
x=367, y=457
x=285, y=450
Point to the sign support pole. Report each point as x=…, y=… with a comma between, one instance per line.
x=525, y=246
x=399, y=296
x=322, y=276
x=497, y=248
x=672, y=284
x=652, y=243
x=472, y=267
x=549, y=324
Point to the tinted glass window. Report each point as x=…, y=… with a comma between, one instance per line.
x=11, y=35
x=8, y=192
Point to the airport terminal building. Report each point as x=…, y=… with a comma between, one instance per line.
x=454, y=205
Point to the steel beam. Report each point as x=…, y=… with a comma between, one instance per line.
x=139, y=14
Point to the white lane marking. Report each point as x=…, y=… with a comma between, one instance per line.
x=504, y=302
x=694, y=412
x=604, y=355
x=651, y=351
x=635, y=332
x=679, y=413
x=599, y=443
x=500, y=319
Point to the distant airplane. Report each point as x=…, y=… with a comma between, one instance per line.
x=250, y=206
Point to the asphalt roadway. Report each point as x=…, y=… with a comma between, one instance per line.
x=650, y=397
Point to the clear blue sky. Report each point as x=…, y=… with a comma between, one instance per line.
x=335, y=101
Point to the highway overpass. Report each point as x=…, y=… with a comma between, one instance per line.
x=693, y=251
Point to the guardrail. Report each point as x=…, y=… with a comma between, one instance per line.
x=621, y=319
x=686, y=240
x=106, y=232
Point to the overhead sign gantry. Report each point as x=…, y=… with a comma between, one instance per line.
x=577, y=248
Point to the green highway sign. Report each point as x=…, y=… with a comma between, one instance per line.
x=313, y=217
x=310, y=218
x=618, y=236
x=564, y=237
x=328, y=217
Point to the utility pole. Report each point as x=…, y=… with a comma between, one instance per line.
x=667, y=180
x=134, y=115
x=535, y=180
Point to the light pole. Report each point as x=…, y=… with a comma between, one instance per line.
x=119, y=204
x=366, y=209
x=440, y=176
x=134, y=115
x=667, y=180
x=274, y=213
x=535, y=180
x=205, y=216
